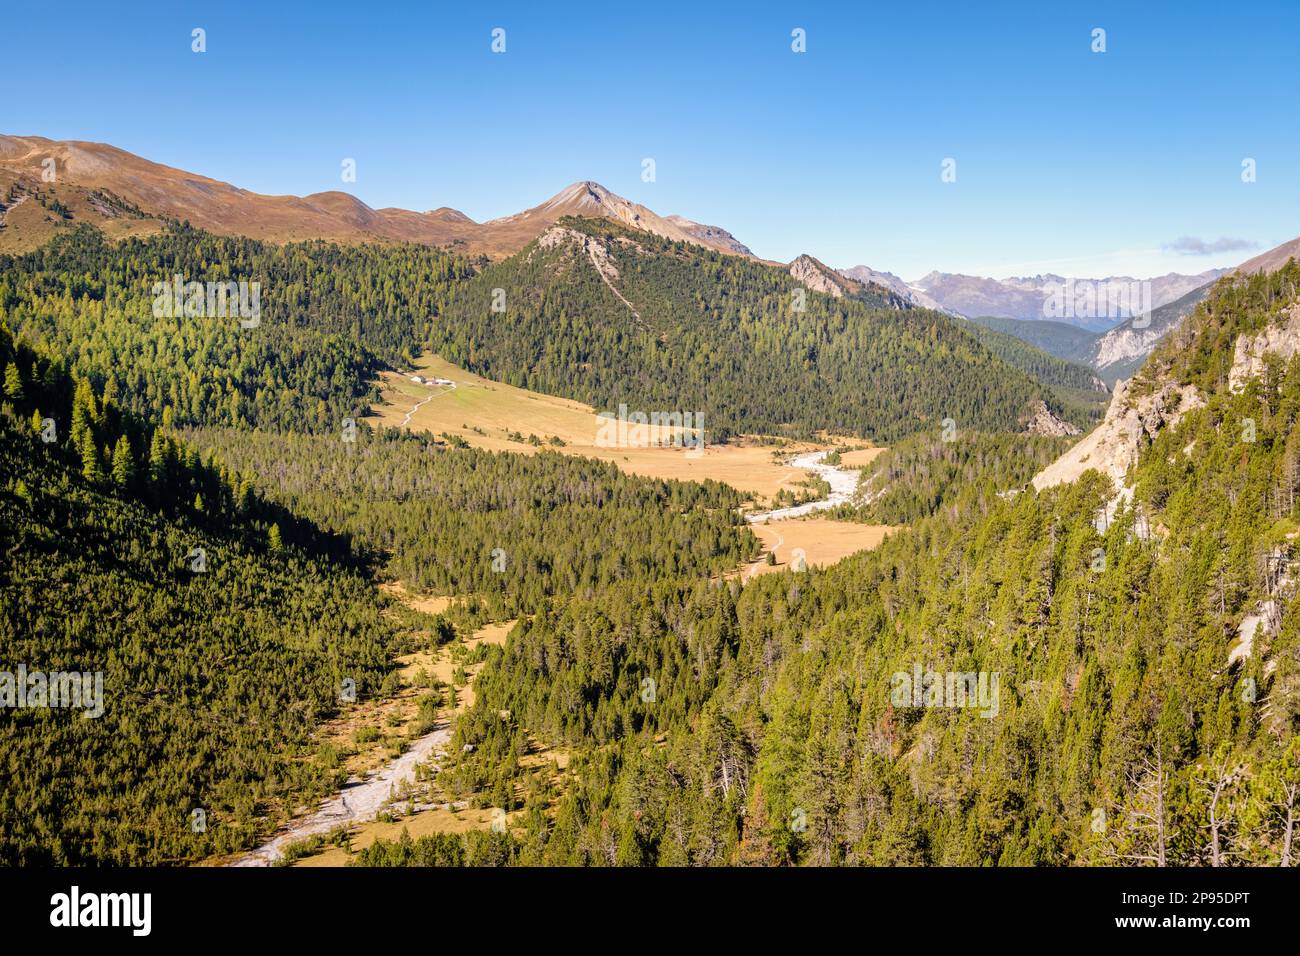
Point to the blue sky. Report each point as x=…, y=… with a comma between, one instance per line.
x=1067, y=160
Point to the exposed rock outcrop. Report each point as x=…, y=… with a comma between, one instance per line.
x=1130, y=425
x=596, y=251
x=817, y=276
x=1043, y=422
x=1282, y=340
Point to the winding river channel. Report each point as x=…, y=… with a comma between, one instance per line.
x=843, y=482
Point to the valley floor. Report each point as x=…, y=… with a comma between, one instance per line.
x=486, y=415
x=388, y=794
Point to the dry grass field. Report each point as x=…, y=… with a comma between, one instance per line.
x=860, y=457
x=435, y=604
x=823, y=541
x=485, y=413
x=436, y=820
x=445, y=667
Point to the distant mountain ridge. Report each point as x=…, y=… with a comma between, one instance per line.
x=84, y=170
x=1027, y=297
x=125, y=194
x=1116, y=353
x=914, y=295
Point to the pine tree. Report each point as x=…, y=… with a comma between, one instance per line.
x=91, y=469
x=158, y=458
x=274, y=539
x=13, y=382
x=123, y=462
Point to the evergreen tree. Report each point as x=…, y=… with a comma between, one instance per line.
x=91, y=469
x=123, y=462
x=158, y=458
x=13, y=381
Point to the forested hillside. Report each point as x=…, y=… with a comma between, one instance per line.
x=180, y=511
x=921, y=474
x=222, y=642
x=1037, y=363
x=1080, y=392
x=330, y=317
x=1121, y=732
x=599, y=313
x=667, y=326
x=1056, y=338
x=510, y=529
x=224, y=619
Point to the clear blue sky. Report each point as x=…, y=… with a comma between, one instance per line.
x=1067, y=160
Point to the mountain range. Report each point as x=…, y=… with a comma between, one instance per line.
x=93, y=174
x=124, y=194
x=1130, y=595
x=1025, y=297
x=88, y=171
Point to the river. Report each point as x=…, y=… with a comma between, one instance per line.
x=843, y=482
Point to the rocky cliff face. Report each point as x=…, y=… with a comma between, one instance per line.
x=817, y=276
x=1119, y=352
x=1282, y=340
x=1043, y=422
x=1130, y=424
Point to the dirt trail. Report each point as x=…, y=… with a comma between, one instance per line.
x=418, y=405
x=362, y=799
